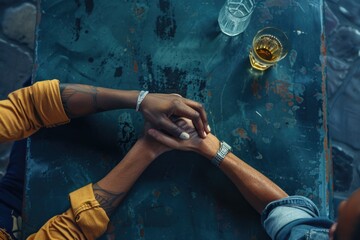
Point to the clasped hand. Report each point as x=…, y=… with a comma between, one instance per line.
x=159, y=142
x=159, y=109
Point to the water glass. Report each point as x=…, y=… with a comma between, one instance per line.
x=234, y=16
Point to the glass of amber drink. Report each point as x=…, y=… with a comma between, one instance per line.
x=269, y=46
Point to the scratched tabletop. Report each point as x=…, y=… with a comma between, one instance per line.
x=275, y=121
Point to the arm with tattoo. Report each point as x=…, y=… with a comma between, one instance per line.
x=111, y=190
x=107, y=200
x=80, y=100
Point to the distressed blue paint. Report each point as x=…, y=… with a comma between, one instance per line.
x=272, y=120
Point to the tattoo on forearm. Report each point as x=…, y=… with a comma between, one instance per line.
x=74, y=95
x=108, y=200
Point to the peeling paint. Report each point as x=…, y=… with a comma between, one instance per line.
x=242, y=133
x=254, y=128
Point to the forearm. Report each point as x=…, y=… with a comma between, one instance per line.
x=257, y=189
x=254, y=186
x=111, y=190
x=79, y=100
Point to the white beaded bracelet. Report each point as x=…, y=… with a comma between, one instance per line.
x=140, y=98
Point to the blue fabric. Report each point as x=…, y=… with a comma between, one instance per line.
x=294, y=217
x=12, y=186
x=5, y=218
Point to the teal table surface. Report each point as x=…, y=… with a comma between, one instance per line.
x=275, y=121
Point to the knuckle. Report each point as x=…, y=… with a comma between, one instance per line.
x=175, y=130
x=176, y=95
x=176, y=102
x=155, y=134
x=200, y=106
x=196, y=116
x=181, y=123
x=160, y=123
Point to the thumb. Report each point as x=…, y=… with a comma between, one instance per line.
x=162, y=138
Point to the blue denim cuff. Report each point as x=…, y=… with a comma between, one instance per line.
x=280, y=213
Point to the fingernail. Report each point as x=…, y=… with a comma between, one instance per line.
x=184, y=136
x=208, y=128
x=205, y=134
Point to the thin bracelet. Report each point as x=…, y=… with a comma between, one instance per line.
x=140, y=98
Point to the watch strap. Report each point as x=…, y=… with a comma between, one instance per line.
x=221, y=153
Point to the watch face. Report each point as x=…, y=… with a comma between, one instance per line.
x=221, y=153
x=225, y=147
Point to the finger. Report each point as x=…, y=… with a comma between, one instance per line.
x=176, y=94
x=186, y=125
x=188, y=112
x=163, y=138
x=200, y=109
x=173, y=129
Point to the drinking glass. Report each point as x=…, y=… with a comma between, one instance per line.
x=269, y=46
x=234, y=16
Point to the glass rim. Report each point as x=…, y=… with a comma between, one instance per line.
x=284, y=42
x=282, y=33
x=243, y=16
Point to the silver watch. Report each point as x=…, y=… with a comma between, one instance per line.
x=221, y=153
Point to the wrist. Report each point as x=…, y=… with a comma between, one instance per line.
x=141, y=96
x=151, y=151
x=117, y=99
x=209, y=147
x=133, y=96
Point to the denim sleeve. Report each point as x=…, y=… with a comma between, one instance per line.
x=280, y=213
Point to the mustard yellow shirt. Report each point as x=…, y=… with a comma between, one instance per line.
x=84, y=220
x=23, y=113
x=27, y=110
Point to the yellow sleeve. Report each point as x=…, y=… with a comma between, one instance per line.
x=4, y=235
x=28, y=109
x=84, y=220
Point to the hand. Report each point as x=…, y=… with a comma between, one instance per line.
x=206, y=147
x=159, y=108
x=151, y=145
